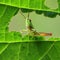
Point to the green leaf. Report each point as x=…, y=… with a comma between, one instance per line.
x=54, y=53
x=6, y=13
x=15, y=47
x=45, y=5
x=16, y=12
x=54, y=39
x=3, y=47
x=31, y=51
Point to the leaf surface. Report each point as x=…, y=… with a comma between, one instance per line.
x=45, y=5
x=13, y=47
x=32, y=51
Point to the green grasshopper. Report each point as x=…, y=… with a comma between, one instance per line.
x=30, y=28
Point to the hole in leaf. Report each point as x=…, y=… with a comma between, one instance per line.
x=17, y=23
x=52, y=4
x=41, y=23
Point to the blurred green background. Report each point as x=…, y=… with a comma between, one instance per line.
x=40, y=22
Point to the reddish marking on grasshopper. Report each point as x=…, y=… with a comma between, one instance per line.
x=45, y=34
x=42, y=34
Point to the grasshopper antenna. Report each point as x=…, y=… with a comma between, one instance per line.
x=28, y=15
x=22, y=14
